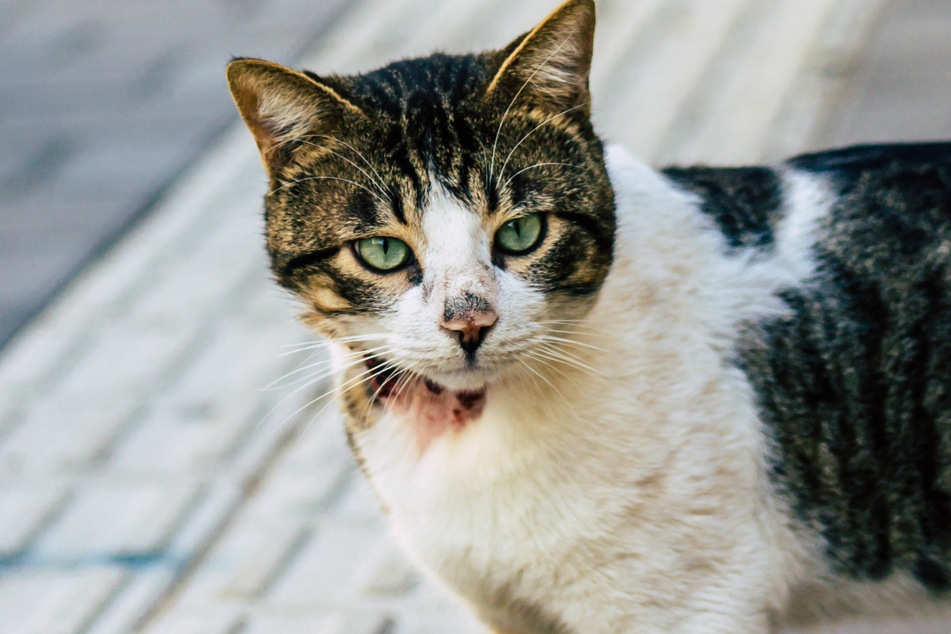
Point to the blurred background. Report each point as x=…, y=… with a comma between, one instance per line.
x=153, y=476
x=102, y=105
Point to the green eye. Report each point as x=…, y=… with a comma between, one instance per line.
x=383, y=254
x=519, y=236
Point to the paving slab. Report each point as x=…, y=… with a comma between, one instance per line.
x=50, y=601
x=64, y=437
x=23, y=511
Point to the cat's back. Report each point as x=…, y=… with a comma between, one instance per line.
x=853, y=382
x=893, y=186
x=885, y=234
x=860, y=158
x=892, y=200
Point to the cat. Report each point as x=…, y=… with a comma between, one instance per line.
x=597, y=397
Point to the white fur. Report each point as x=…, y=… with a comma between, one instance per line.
x=628, y=499
x=808, y=201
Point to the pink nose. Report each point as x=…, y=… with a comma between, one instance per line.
x=468, y=325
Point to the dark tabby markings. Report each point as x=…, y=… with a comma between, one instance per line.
x=306, y=260
x=427, y=132
x=855, y=384
x=596, y=230
x=871, y=157
x=520, y=615
x=573, y=264
x=742, y=201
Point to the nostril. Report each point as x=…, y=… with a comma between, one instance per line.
x=471, y=338
x=469, y=335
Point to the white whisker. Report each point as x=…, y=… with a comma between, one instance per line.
x=575, y=322
x=545, y=337
x=334, y=178
x=514, y=147
x=567, y=359
x=343, y=388
x=355, y=151
x=570, y=332
x=506, y=183
x=512, y=103
x=347, y=386
x=377, y=183
x=400, y=375
x=323, y=343
x=552, y=386
x=356, y=353
x=574, y=328
x=537, y=356
x=312, y=381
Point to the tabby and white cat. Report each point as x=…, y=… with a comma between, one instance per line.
x=597, y=398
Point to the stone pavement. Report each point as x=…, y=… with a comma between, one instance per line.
x=156, y=472
x=102, y=104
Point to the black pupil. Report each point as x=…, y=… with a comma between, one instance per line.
x=517, y=225
x=385, y=245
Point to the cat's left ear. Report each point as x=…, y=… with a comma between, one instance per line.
x=284, y=108
x=551, y=63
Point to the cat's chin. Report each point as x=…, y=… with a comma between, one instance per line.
x=387, y=380
x=472, y=380
x=452, y=399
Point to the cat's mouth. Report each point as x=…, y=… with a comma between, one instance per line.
x=431, y=402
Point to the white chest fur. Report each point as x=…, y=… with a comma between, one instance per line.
x=627, y=499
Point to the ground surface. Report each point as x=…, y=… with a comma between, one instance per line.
x=150, y=480
x=102, y=105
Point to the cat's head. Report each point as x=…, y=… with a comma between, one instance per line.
x=446, y=212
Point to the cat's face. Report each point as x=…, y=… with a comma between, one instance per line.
x=446, y=214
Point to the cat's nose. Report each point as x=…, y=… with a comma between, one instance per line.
x=468, y=324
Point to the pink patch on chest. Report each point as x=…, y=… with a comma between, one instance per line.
x=435, y=409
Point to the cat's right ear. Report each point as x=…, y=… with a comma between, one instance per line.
x=283, y=107
x=550, y=64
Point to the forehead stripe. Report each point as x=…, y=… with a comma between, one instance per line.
x=396, y=206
